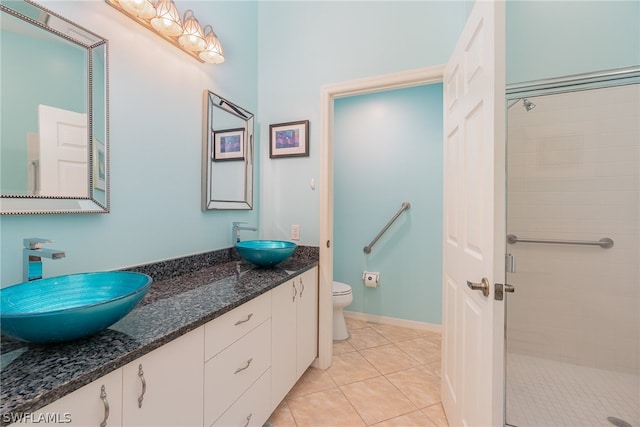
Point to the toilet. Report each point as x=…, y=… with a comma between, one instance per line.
x=342, y=297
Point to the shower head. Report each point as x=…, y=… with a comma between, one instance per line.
x=528, y=105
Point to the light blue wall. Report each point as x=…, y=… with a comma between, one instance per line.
x=388, y=149
x=279, y=55
x=306, y=45
x=156, y=126
x=547, y=39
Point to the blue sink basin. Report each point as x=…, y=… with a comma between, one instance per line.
x=69, y=307
x=265, y=253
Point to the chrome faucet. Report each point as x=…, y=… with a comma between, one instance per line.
x=32, y=255
x=236, y=230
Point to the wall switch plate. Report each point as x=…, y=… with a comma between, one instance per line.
x=295, y=232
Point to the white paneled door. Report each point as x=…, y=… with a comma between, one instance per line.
x=63, y=152
x=474, y=217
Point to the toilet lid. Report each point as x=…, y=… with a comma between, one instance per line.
x=340, y=288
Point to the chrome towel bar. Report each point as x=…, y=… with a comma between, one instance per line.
x=605, y=242
x=405, y=206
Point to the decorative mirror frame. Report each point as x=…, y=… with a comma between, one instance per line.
x=96, y=46
x=213, y=103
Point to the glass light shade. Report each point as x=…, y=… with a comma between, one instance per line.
x=192, y=37
x=140, y=8
x=213, y=53
x=167, y=20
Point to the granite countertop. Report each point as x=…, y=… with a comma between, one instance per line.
x=186, y=293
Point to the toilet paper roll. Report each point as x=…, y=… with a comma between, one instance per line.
x=371, y=280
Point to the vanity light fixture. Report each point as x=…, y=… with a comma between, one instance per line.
x=141, y=8
x=163, y=18
x=192, y=37
x=213, y=53
x=167, y=20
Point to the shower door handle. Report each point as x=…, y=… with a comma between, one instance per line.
x=482, y=286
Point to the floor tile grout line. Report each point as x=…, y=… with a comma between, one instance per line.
x=394, y=342
x=351, y=403
x=415, y=407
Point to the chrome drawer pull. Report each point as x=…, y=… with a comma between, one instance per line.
x=244, y=367
x=248, y=419
x=301, y=284
x=295, y=292
x=105, y=402
x=240, y=322
x=144, y=385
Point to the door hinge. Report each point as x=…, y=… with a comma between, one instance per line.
x=510, y=263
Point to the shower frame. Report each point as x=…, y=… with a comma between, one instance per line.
x=552, y=86
x=574, y=83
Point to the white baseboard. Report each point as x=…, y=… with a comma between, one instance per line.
x=413, y=324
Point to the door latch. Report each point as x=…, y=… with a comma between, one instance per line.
x=501, y=289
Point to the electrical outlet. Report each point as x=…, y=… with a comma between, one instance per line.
x=295, y=232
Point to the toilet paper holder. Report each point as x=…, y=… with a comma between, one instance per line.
x=371, y=279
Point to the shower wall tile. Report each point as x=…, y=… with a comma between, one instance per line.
x=574, y=173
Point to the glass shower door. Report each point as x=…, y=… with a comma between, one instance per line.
x=573, y=323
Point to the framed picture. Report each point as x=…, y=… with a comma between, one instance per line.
x=228, y=144
x=289, y=139
x=99, y=165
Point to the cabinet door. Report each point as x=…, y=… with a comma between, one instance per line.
x=84, y=407
x=164, y=387
x=251, y=409
x=283, y=340
x=307, y=320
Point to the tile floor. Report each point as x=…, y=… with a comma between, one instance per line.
x=550, y=393
x=381, y=376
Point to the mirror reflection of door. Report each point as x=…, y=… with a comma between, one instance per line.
x=60, y=167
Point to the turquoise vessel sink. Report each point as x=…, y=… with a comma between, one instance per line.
x=69, y=307
x=265, y=253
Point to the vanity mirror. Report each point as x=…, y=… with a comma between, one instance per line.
x=227, y=155
x=54, y=114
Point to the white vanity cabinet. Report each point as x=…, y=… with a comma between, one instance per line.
x=164, y=387
x=237, y=362
x=172, y=392
x=232, y=371
x=84, y=407
x=295, y=332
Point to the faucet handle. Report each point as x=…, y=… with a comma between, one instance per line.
x=35, y=242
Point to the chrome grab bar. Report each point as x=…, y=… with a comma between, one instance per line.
x=405, y=206
x=605, y=242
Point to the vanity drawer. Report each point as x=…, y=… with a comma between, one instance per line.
x=232, y=371
x=228, y=328
x=253, y=408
